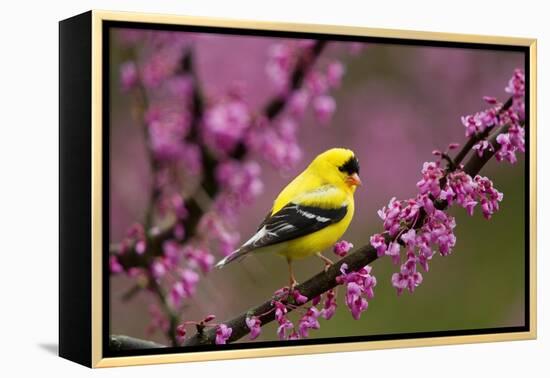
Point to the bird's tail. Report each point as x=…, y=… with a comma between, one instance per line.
x=239, y=254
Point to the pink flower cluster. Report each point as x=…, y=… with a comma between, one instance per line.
x=436, y=233
x=283, y=58
x=359, y=288
x=225, y=125
x=241, y=183
x=254, y=325
x=276, y=143
x=308, y=321
x=467, y=192
x=223, y=333
x=512, y=118
x=342, y=248
x=184, y=287
x=218, y=231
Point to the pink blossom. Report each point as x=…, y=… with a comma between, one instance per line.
x=335, y=72
x=212, y=225
x=225, y=124
x=114, y=265
x=439, y=229
x=199, y=258
x=172, y=250
x=308, y=321
x=159, y=66
x=178, y=205
x=184, y=288
x=280, y=311
x=128, y=75
x=342, y=247
x=432, y=173
x=279, y=66
x=481, y=146
x=180, y=333
x=209, y=318
x=409, y=238
x=460, y=188
x=166, y=128
x=316, y=83
x=298, y=102
x=510, y=143
x=329, y=306
x=516, y=85
x=478, y=122
x=158, y=268
x=379, y=243
x=179, y=231
x=240, y=180
x=408, y=277
x=140, y=247
x=277, y=147
x=324, y=106
x=223, y=333
x=284, y=327
x=490, y=100
x=355, y=302
x=489, y=197
x=359, y=288
x=299, y=297
x=254, y=325
x=391, y=216
x=394, y=252
x=181, y=86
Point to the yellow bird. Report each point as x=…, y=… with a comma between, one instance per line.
x=310, y=214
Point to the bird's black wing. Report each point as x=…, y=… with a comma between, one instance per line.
x=292, y=222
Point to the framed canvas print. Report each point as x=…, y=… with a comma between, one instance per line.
x=234, y=189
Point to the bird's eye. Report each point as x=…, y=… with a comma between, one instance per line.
x=351, y=166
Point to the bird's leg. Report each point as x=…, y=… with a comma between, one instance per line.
x=293, y=281
x=328, y=262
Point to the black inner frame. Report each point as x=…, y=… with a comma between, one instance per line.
x=108, y=25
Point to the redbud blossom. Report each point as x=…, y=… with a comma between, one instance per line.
x=254, y=325
x=342, y=247
x=223, y=333
x=329, y=306
x=308, y=321
x=324, y=106
x=114, y=265
x=128, y=75
x=359, y=288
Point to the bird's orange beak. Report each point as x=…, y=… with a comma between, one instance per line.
x=353, y=180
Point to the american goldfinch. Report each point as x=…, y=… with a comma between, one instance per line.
x=310, y=214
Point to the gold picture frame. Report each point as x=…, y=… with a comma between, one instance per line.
x=91, y=25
